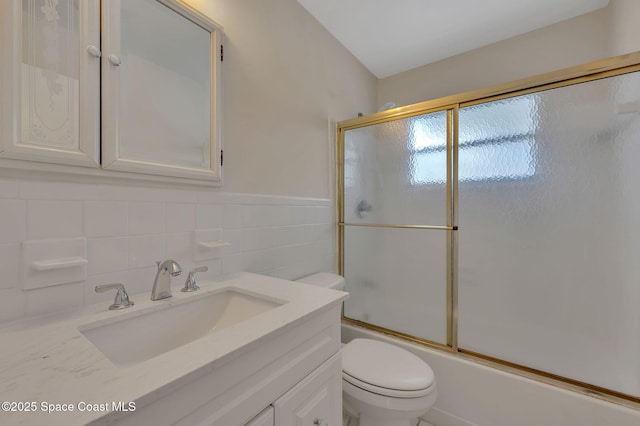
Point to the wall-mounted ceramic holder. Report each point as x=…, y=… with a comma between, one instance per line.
x=208, y=244
x=53, y=262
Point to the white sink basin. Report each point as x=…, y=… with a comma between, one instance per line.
x=138, y=336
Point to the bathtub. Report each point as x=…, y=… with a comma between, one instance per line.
x=473, y=394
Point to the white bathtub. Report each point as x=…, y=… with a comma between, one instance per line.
x=471, y=394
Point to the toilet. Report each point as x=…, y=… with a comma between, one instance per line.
x=382, y=384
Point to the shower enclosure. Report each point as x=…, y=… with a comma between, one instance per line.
x=504, y=224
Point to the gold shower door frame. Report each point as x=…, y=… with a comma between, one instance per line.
x=450, y=227
x=597, y=70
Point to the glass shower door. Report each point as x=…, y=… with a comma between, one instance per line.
x=549, y=221
x=396, y=224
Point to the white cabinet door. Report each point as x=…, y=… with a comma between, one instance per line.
x=160, y=90
x=265, y=418
x=50, y=81
x=316, y=400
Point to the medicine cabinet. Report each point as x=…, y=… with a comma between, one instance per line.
x=142, y=97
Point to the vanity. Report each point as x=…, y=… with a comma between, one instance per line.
x=246, y=350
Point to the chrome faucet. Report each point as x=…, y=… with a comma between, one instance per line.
x=122, y=298
x=190, y=285
x=162, y=283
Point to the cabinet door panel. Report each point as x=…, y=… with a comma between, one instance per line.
x=159, y=90
x=50, y=81
x=265, y=418
x=315, y=401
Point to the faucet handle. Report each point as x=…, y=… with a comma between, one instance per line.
x=122, y=298
x=190, y=283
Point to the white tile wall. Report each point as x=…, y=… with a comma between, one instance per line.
x=207, y=216
x=54, y=219
x=13, y=225
x=107, y=255
x=105, y=219
x=9, y=189
x=179, y=246
x=9, y=261
x=181, y=217
x=145, y=250
x=146, y=218
x=13, y=304
x=232, y=216
x=128, y=228
x=51, y=299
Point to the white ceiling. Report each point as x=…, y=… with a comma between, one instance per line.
x=391, y=36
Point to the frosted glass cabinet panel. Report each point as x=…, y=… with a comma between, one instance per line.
x=397, y=279
x=159, y=89
x=549, y=218
x=137, y=92
x=49, y=81
x=396, y=172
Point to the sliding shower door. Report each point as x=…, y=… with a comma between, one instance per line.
x=549, y=240
x=504, y=225
x=396, y=224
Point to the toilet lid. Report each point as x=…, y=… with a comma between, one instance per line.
x=394, y=393
x=386, y=366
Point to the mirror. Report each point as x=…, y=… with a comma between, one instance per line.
x=159, y=93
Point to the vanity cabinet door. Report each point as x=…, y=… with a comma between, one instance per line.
x=265, y=418
x=50, y=81
x=316, y=400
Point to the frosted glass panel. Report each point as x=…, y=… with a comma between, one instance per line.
x=549, y=216
x=49, y=74
x=165, y=87
x=396, y=172
x=397, y=279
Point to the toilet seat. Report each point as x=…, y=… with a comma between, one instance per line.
x=386, y=369
x=394, y=393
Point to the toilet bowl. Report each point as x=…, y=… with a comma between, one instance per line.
x=382, y=384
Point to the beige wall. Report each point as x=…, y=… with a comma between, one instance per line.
x=606, y=32
x=625, y=30
x=284, y=78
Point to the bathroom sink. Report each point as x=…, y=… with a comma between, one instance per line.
x=138, y=336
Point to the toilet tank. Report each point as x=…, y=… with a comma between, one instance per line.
x=324, y=279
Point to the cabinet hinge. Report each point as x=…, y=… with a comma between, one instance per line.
x=222, y=157
x=221, y=53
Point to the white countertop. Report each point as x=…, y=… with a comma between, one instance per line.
x=47, y=360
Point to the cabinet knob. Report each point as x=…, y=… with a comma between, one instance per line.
x=319, y=422
x=93, y=51
x=115, y=60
